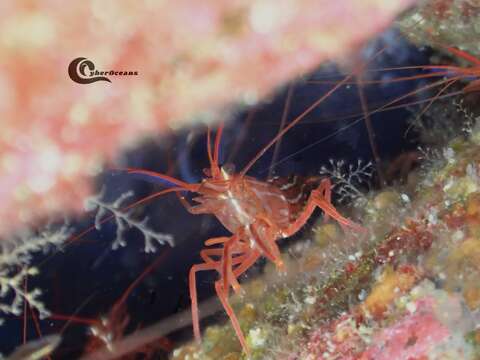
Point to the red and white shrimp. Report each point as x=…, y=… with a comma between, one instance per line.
x=257, y=213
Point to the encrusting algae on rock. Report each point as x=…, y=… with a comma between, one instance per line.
x=408, y=290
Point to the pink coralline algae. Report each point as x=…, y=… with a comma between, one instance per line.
x=422, y=328
x=413, y=337
x=192, y=59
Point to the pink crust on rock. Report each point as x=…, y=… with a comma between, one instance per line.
x=191, y=57
x=412, y=337
x=406, y=335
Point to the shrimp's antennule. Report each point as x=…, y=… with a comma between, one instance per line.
x=213, y=158
x=213, y=170
x=218, y=138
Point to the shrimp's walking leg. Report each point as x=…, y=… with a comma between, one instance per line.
x=193, y=294
x=194, y=210
x=223, y=267
x=325, y=188
x=259, y=242
x=267, y=245
x=216, y=240
x=206, y=255
x=317, y=200
x=227, y=274
x=247, y=263
x=233, y=318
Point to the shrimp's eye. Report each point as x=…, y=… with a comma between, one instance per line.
x=207, y=172
x=229, y=168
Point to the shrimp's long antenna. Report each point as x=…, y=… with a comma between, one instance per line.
x=241, y=135
x=446, y=69
x=140, y=278
x=370, y=131
x=121, y=301
x=73, y=319
x=432, y=100
x=377, y=110
x=25, y=305
x=218, y=138
x=305, y=113
x=286, y=110
x=209, y=144
x=215, y=171
x=292, y=124
x=411, y=93
x=396, y=79
x=161, y=176
x=390, y=104
x=386, y=107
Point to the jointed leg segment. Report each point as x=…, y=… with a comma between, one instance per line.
x=320, y=198
x=192, y=283
x=228, y=276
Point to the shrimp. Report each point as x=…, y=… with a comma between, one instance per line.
x=257, y=213
x=108, y=329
